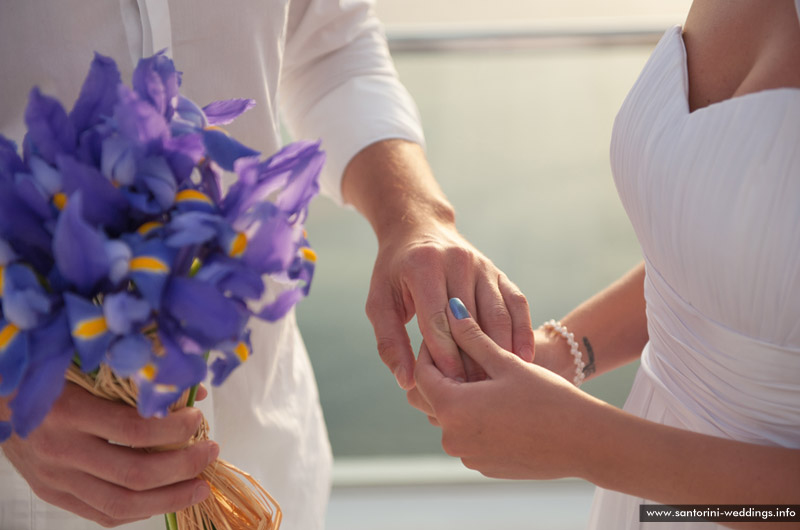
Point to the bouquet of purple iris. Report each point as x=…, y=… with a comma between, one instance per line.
x=120, y=250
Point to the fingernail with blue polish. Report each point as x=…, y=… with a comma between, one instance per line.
x=458, y=308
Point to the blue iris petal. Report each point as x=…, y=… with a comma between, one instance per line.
x=150, y=268
x=25, y=302
x=193, y=228
x=124, y=312
x=224, y=112
x=155, y=175
x=98, y=94
x=78, y=248
x=46, y=176
x=118, y=160
x=273, y=245
x=119, y=256
x=281, y=305
x=50, y=356
x=183, y=153
x=13, y=356
x=89, y=330
x=232, y=276
x=203, y=312
x=156, y=81
x=129, y=354
x=224, y=150
x=7, y=254
x=223, y=366
x=189, y=115
x=103, y=204
x=303, y=182
x=10, y=161
x=22, y=225
x=49, y=130
x=138, y=122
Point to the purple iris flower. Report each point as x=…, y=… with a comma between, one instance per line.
x=202, y=312
x=89, y=330
x=103, y=204
x=50, y=354
x=156, y=81
x=79, y=248
x=24, y=300
x=233, y=355
x=224, y=112
x=13, y=356
x=10, y=161
x=98, y=94
x=49, y=130
x=162, y=382
x=116, y=240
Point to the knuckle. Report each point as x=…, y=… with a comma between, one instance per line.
x=116, y=507
x=387, y=350
x=439, y=323
x=135, y=432
x=133, y=477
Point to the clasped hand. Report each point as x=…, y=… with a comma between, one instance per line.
x=523, y=421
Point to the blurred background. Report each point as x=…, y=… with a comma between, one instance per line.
x=517, y=99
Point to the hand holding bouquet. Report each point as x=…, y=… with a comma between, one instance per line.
x=124, y=265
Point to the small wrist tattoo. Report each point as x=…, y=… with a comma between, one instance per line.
x=589, y=369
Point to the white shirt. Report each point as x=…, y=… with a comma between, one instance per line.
x=325, y=65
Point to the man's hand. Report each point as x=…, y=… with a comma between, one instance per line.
x=68, y=460
x=423, y=261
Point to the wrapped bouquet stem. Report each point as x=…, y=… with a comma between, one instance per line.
x=237, y=501
x=127, y=269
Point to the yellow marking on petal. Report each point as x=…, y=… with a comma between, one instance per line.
x=148, y=227
x=90, y=328
x=216, y=128
x=7, y=335
x=238, y=245
x=149, y=264
x=60, y=200
x=192, y=195
x=148, y=371
x=242, y=352
x=308, y=254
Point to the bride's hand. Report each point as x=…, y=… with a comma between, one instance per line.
x=523, y=421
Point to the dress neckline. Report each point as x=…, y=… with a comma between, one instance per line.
x=767, y=92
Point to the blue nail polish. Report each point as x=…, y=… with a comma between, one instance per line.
x=458, y=308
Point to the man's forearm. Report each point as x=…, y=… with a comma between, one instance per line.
x=392, y=185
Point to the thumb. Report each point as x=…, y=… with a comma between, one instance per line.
x=473, y=341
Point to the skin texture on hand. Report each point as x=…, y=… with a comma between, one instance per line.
x=68, y=460
x=423, y=261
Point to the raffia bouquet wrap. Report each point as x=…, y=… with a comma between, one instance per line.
x=125, y=268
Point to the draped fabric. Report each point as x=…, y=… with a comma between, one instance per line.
x=714, y=198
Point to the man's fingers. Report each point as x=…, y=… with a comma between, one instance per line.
x=470, y=338
x=122, y=423
x=394, y=346
x=491, y=312
x=140, y=471
x=517, y=304
x=429, y=292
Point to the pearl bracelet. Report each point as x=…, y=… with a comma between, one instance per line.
x=561, y=329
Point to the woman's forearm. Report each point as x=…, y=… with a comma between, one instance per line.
x=610, y=329
x=673, y=466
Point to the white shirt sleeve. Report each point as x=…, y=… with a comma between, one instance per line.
x=339, y=84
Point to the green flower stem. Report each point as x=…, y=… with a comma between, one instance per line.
x=172, y=518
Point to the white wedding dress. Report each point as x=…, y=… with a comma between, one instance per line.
x=714, y=198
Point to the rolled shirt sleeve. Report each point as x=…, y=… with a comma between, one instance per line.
x=339, y=84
